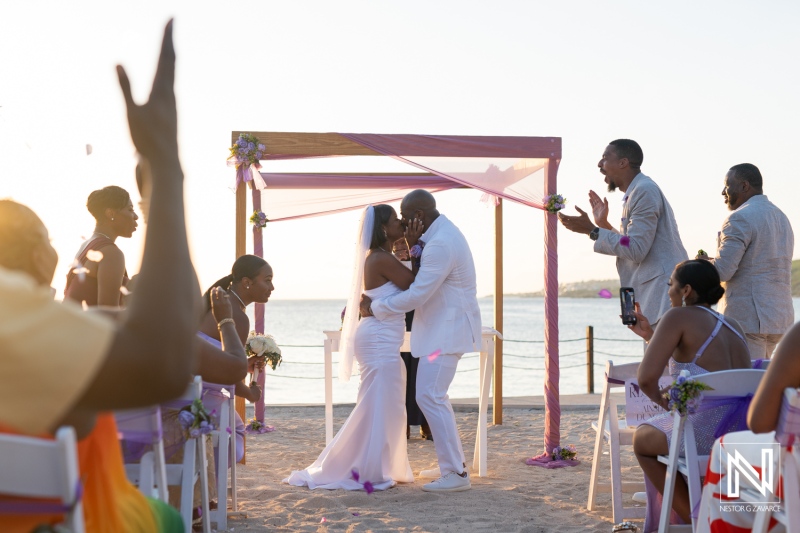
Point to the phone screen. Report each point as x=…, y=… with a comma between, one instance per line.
x=626, y=301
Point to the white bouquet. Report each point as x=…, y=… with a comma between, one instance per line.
x=262, y=345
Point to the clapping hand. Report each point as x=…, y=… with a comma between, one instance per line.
x=579, y=224
x=599, y=209
x=154, y=125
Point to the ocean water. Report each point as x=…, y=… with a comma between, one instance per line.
x=297, y=325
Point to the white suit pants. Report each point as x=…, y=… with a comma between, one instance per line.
x=433, y=380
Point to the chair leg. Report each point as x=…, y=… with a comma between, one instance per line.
x=187, y=482
x=202, y=464
x=672, y=473
x=598, y=453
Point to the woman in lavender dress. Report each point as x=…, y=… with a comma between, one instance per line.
x=693, y=337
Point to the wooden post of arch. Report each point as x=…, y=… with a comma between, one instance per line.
x=241, y=249
x=497, y=386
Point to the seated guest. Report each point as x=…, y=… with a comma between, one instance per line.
x=92, y=364
x=98, y=281
x=250, y=281
x=762, y=418
x=690, y=336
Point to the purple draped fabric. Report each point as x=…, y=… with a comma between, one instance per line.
x=41, y=507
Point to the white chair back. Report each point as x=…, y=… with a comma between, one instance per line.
x=194, y=469
x=143, y=427
x=42, y=468
x=787, y=434
x=727, y=383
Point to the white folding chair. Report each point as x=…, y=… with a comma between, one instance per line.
x=616, y=432
x=142, y=427
x=193, y=470
x=692, y=466
x=787, y=434
x=42, y=468
x=225, y=442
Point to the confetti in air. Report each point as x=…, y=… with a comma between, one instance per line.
x=432, y=357
x=604, y=293
x=94, y=255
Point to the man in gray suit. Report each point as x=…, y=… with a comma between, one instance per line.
x=647, y=245
x=754, y=259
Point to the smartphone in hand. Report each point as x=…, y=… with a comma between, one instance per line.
x=626, y=301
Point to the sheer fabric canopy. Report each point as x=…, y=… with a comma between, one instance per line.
x=503, y=167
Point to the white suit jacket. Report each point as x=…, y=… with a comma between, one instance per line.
x=754, y=259
x=443, y=295
x=654, y=246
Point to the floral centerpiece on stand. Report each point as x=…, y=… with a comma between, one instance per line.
x=685, y=394
x=245, y=155
x=554, y=202
x=195, y=420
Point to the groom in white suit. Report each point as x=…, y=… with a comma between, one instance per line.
x=447, y=318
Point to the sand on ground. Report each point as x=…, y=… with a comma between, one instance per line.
x=513, y=497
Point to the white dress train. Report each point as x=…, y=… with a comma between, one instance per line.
x=372, y=440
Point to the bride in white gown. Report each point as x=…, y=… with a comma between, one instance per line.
x=372, y=441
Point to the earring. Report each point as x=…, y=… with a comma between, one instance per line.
x=112, y=219
x=247, y=286
x=683, y=301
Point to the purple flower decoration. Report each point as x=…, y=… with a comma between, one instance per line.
x=186, y=419
x=229, y=430
x=368, y=487
x=195, y=433
x=625, y=241
x=675, y=394
x=681, y=380
x=354, y=474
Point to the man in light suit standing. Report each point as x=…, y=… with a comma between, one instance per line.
x=447, y=318
x=754, y=259
x=647, y=245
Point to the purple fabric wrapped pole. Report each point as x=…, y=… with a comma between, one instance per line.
x=258, y=249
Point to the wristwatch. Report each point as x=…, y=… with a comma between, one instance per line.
x=594, y=234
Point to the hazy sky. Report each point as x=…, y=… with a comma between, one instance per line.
x=700, y=85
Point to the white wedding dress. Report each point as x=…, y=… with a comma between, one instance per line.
x=372, y=440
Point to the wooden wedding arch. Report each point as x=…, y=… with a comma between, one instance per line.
x=419, y=151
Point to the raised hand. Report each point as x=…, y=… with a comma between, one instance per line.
x=154, y=125
x=220, y=304
x=599, y=210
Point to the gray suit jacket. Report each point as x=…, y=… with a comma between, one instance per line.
x=754, y=259
x=443, y=295
x=653, y=249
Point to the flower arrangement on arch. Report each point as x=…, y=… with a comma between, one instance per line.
x=685, y=394
x=261, y=345
x=567, y=453
x=195, y=420
x=554, y=202
x=247, y=150
x=259, y=219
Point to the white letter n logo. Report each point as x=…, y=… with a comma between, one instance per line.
x=739, y=465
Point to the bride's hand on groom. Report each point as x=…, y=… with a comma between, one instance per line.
x=364, y=305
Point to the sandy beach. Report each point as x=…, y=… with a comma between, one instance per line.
x=513, y=497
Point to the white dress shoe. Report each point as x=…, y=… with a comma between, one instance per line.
x=450, y=482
